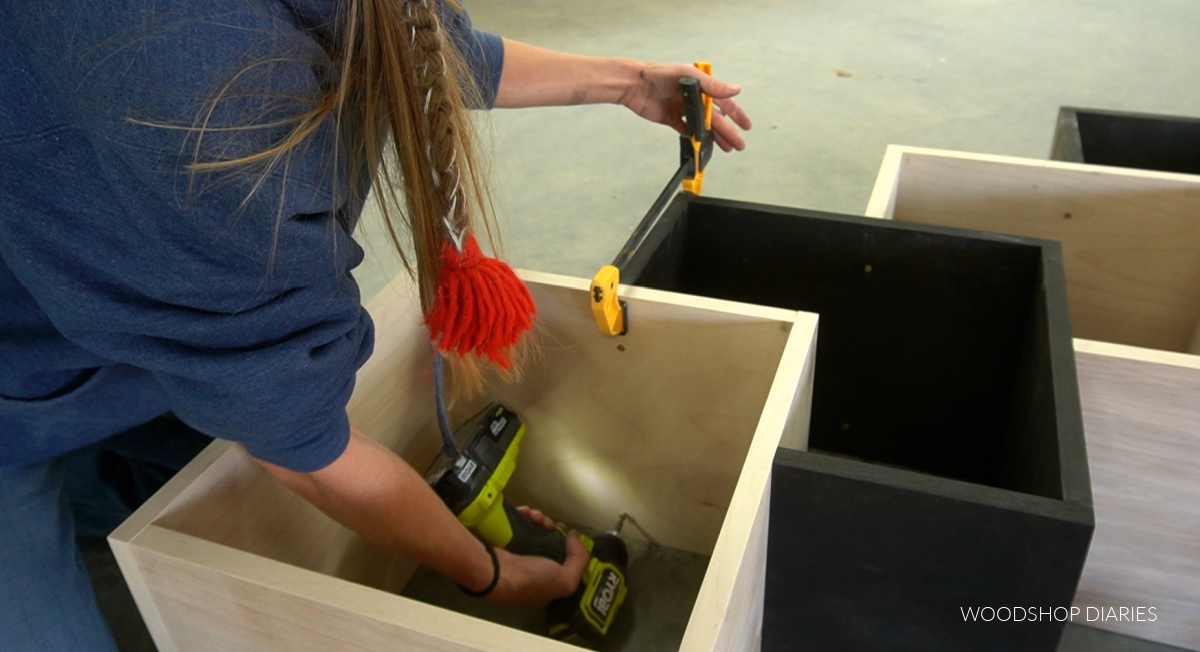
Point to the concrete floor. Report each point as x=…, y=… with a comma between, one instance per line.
x=975, y=75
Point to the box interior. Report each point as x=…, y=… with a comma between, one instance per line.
x=1148, y=142
x=1130, y=238
x=656, y=424
x=933, y=351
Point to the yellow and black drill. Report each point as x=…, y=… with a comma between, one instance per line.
x=471, y=480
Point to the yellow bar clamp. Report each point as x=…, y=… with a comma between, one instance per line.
x=608, y=310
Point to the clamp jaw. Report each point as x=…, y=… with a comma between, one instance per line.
x=608, y=310
x=695, y=149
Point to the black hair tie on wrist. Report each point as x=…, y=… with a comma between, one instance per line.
x=495, y=575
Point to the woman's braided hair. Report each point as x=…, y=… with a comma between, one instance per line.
x=401, y=75
x=394, y=73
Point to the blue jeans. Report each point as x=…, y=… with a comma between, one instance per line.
x=46, y=601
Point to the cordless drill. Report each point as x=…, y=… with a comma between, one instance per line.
x=472, y=486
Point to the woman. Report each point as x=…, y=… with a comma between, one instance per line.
x=178, y=186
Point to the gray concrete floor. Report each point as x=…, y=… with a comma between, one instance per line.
x=975, y=75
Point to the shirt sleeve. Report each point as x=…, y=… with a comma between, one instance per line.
x=232, y=287
x=482, y=51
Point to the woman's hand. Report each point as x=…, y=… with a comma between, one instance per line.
x=536, y=581
x=533, y=76
x=371, y=490
x=537, y=516
x=656, y=97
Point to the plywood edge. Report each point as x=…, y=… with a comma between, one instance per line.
x=883, y=196
x=172, y=491
x=142, y=597
x=384, y=303
x=661, y=296
x=951, y=489
x=795, y=435
x=741, y=623
x=906, y=150
x=1137, y=353
x=120, y=539
x=719, y=603
x=339, y=596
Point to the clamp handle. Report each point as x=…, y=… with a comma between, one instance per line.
x=697, y=145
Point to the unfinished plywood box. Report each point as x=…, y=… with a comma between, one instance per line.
x=945, y=467
x=676, y=423
x=1129, y=140
x=1131, y=246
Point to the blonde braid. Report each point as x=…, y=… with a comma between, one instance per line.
x=439, y=99
x=441, y=103
x=442, y=139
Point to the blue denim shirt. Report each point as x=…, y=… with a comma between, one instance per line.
x=130, y=287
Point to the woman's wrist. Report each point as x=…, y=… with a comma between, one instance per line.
x=493, y=572
x=615, y=80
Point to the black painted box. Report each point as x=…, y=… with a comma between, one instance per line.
x=1129, y=140
x=946, y=470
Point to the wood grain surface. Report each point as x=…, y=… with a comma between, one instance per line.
x=675, y=423
x=656, y=423
x=729, y=609
x=1130, y=238
x=1142, y=422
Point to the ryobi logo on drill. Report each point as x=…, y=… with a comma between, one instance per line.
x=602, y=602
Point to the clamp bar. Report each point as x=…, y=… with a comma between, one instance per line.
x=695, y=149
x=608, y=310
x=651, y=219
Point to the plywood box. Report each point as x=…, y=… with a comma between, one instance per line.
x=1131, y=246
x=675, y=423
x=945, y=466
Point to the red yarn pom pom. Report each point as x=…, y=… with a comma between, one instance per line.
x=481, y=305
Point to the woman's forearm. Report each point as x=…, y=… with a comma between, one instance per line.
x=535, y=76
x=370, y=490
x=375, y=493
